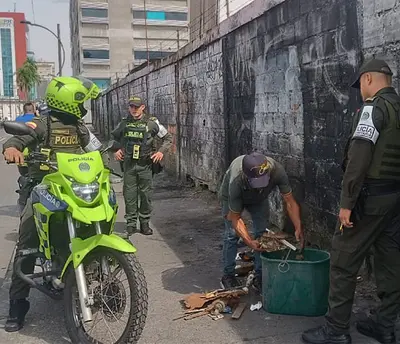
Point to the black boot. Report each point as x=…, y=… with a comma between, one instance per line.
x=371, y=329
x=129, y=230
x=145, y=229
x=16, y=316
x=324, y=335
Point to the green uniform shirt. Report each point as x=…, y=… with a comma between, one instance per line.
x=361, y=148
x=236, y=191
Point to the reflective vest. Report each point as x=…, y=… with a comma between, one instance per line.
x=60, y=138
x=137, y=139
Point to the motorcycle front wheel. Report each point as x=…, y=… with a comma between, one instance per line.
x=119, y=303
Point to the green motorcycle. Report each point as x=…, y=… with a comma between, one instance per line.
x=95, y=271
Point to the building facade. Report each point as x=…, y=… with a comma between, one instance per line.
x=13, y=46
x=110, y=38
x=206, y=14
x=46, y=71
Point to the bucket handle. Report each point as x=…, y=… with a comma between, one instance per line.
x=284, y=266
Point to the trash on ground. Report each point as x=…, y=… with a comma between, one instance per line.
x=215, y=304
x=256, y=306
x=239, y=310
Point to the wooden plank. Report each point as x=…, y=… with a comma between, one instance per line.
x=239, y=310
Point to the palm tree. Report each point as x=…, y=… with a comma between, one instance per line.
x=28, y=76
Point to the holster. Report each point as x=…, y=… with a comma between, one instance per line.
x=156, y=167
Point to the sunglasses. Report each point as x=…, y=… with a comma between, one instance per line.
x=133, y=106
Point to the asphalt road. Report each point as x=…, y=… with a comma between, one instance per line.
x=183, y=256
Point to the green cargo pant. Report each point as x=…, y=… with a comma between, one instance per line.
x=138, y=185
x=378, y=227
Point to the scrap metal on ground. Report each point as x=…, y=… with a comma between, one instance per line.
x=223, y=301
x=214, y=304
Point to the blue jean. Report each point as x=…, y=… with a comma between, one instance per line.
x=260, y=217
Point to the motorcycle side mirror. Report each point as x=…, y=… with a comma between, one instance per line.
x=17, y=128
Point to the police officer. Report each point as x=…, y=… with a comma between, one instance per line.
x=369, y=215
x=246, y=185
x=61, y=131
x=136, y=134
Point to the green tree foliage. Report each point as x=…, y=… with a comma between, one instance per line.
x=27, y=76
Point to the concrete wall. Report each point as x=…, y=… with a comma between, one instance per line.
x=275, y=78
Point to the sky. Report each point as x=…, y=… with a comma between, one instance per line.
x=47, y=13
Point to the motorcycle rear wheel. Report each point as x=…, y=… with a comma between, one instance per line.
x=138, y=303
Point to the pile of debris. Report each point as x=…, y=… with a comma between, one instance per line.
x=223, y=301
x=214, y=304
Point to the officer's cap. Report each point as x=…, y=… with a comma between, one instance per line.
x=136, y=101
x=373, y=65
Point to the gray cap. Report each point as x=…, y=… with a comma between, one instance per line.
x=373, y=65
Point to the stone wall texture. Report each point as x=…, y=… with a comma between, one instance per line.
x=278, y=83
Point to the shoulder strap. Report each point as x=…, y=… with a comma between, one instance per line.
x=48, y=122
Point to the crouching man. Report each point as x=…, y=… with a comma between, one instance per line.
x=246, y=185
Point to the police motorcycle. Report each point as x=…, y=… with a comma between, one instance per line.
x=83, y=262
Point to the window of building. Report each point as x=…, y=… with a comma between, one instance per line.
x=155, y=15
x=176, y=16
x=7, y=62
x=101, y=83
x=96, y=54
x=139, y=15
x=95, y=12
x=142, y=54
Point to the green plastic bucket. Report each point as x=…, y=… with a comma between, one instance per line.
x=295, y=287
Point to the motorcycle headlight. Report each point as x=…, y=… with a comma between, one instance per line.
x=86, y=192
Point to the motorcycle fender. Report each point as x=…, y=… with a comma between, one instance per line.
x=81, y=248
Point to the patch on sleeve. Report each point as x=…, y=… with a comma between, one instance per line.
x=32, y=125
x=94, y=144
x=161, y=129
x=365, y=128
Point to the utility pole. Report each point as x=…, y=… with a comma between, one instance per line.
x=227, y=8
x=145, y=26
x=59, y=50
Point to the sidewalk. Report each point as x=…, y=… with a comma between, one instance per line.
x=183, y=256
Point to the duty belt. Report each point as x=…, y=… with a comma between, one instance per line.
x=372, y=189
x=141, y=162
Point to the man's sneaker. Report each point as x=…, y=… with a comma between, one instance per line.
x=371, y=329
x=229, y=282
x=16, y=316
x=145, y=229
